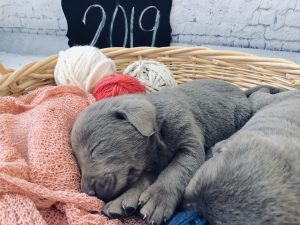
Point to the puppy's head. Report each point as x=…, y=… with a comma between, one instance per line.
x=110, y=141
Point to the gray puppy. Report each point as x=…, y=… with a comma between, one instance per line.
x=144, y=149
x=253, y=177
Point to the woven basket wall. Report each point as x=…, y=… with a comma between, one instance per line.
x=186, y=63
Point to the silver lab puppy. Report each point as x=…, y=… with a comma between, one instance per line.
x=143, y=149
x=253, y=177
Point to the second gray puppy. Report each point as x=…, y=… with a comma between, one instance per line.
x=144, y=149
x=254, y=176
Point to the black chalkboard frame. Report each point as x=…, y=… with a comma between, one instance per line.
x=118, y=23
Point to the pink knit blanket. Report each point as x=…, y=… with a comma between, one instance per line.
x=39, y=178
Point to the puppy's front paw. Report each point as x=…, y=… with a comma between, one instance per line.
x=158, y=204
x=219, y=148
x=125, y=205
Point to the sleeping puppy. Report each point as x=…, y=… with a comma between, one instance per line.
x=143, y=149
x=253, y=177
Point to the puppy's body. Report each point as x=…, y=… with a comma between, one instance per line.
x=124, y=143
x=254, y=176
x=216, y=108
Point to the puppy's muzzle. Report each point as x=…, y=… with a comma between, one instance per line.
x=101, y=186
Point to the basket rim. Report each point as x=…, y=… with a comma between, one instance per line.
x=15, y=80
x=189, y=51
x=171, y=50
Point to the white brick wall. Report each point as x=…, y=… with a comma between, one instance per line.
x=33, y=14
x=270, y=24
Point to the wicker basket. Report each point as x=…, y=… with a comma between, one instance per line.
x=186, y=63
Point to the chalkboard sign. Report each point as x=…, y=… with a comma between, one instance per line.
x=118, y=23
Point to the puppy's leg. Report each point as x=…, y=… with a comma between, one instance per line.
x=127, y=203
x=263, y=98
x=164, y=195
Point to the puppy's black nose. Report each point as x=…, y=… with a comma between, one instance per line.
x=105, y=187
x=91, y=192
x=87, y=186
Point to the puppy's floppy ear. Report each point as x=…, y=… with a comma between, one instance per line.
x=140, y=113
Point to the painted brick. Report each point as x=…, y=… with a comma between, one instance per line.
x=285, y=33
x=279, y=20
x=293, y=19
x=291, y=46
x=274, y=45
x=62, y=24
x=267, y=17
x=238, y=42
x=278, y=4
x=12, y=22
x=17, y=9
x=255, y=18
x=252, y=32
x=298, y=5
x=257, y=43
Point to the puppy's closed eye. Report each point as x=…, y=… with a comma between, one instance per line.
x=96, y=150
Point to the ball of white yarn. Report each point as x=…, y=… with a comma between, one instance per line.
x=153, y=74
x=82, y=66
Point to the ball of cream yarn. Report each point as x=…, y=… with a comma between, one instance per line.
x=82, y=66
x=153, y=74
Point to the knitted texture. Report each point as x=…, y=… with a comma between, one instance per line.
x=39, y=178
x=117, y=84
x=82, y=66
x=153, y=74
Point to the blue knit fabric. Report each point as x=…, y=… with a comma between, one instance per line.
x=186, y=218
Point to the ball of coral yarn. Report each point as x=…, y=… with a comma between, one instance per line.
x=82, y=66
x=153, y=74
x=117, y=84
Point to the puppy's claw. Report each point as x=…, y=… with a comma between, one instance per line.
x=165, y=220
x=144, y=216
x=153, y=222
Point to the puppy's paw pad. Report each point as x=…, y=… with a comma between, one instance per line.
x=130, y=200
x=124, y=205
x=113, y=209
x=158, y=206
